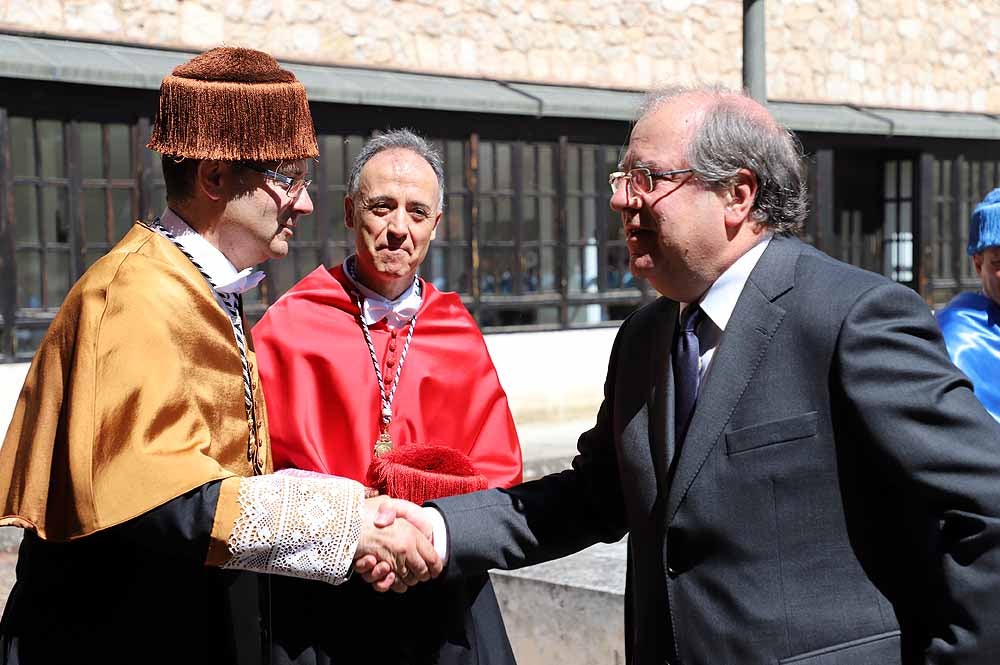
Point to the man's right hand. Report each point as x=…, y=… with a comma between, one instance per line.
x=396, y=549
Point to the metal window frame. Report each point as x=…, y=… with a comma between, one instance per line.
x=962, y=181
x=71, y=103
x=8, y=264
x=71, y=187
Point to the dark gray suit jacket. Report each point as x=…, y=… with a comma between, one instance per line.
x=836, y=501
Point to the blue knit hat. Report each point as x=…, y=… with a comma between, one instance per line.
x=984, y=227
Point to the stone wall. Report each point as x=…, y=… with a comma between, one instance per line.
x=910, y=53
x=897, y=53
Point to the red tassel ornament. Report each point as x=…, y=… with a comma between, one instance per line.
x=419, y=473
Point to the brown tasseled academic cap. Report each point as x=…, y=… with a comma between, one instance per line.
x=233, y=104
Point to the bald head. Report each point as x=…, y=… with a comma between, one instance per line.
x=707, y=97
x=726, y=132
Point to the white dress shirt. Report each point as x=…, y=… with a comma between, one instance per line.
x=719, y=302
x=374, y=307
x=224, y=274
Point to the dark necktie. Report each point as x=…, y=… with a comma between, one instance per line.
x=685, y=358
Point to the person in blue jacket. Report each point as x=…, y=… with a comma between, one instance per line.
x=971, y=321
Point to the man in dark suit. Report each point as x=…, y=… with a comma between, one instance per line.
x=804, y=476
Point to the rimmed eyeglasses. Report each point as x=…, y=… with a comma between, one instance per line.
x=641, y=179
x=292, y=186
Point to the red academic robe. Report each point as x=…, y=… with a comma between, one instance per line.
x=324, y=410
x=324, y=415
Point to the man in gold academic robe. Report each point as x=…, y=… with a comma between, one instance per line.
x=137, y=460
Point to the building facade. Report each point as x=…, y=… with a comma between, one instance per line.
x=896, y=104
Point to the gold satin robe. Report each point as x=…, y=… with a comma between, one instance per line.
x=134, y=397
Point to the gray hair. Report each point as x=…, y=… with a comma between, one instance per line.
x=397, y=139
x=730, y=138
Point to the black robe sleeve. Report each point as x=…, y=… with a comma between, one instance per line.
x=136, y=592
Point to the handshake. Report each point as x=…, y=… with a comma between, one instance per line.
x=396, y=548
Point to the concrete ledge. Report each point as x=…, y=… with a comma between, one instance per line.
x=10, y=540
x=548, y=447
x=552, y=376
x=570, y=610
x=11, y=379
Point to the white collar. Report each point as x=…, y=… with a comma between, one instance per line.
x=223, y=273
x=375, y=307
x=719, y=301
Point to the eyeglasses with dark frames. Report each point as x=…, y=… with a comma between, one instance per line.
x=641, y=179
x=292, y=186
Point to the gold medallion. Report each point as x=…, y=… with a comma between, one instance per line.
x=384, y=443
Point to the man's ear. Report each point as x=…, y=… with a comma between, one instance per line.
x=977, y=261
x=349, y=212
x=740, y=197
x=210, y=178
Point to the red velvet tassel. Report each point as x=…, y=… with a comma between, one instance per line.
x=419, y=473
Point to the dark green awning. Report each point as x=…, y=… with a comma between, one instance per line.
x=43, y=59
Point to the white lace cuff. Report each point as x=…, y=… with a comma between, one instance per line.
x=298, y=524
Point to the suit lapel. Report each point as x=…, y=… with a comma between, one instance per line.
x=660, y=406
x=751, y=327
x=637, y=391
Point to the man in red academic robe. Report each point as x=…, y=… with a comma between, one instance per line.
x=368, y=354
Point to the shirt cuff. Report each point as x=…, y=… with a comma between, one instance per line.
x=440, y=533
